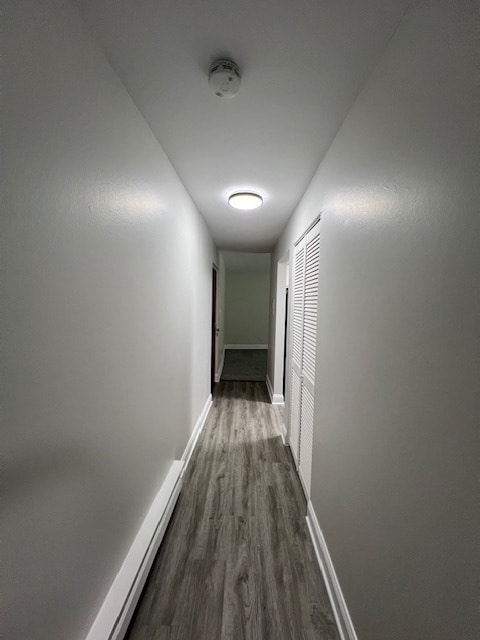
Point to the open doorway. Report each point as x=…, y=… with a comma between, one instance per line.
x=247, y=315
x=285, y=342
x=214, y=330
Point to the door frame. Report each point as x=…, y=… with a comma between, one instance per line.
x=302, y=407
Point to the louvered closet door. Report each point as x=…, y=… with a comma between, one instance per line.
x=309, y=351
x=297, y=350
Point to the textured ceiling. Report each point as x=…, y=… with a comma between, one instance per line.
x=303, y=62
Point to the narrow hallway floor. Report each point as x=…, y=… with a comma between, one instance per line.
x=236, y=562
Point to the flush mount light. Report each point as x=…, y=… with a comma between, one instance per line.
x=245, y=200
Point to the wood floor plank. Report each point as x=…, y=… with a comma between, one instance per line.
x=236, y=562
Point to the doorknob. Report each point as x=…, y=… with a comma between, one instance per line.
x=217, y=331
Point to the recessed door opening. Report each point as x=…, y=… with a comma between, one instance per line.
x=214, y=330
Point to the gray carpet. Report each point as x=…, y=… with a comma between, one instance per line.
x=245, y=364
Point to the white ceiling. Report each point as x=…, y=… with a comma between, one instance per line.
x=303, y=62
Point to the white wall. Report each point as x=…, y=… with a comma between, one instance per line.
x=247, y=292
x=100, y=383
x=396, y=446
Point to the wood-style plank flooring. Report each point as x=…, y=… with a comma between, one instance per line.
x=236, y=562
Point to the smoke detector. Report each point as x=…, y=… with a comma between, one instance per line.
x=224, y=78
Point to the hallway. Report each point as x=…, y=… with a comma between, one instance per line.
x=126, y=281
x=237, y=561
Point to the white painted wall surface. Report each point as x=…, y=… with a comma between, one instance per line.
x=247, y=295
x=396, y=443
x=105, y=320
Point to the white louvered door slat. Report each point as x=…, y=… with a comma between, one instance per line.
x=298, y=287
x=309, y=353
x=310, y=307
x=295, y=406
x=297, y=349
x=304, y=346
x=306, y=438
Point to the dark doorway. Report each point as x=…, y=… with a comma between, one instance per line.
x=214, y=329
x=285, y=341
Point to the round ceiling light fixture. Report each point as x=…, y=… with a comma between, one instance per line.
x=245, y=200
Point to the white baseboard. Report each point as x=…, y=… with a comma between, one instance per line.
x=246, y=346
x=197, y=430
x=342, y=617
x=218, y=375
x=275, y=398
x=117, y=609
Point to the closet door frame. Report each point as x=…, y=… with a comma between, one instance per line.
x=303, y=356
x=309, y=355
x=298, y=282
